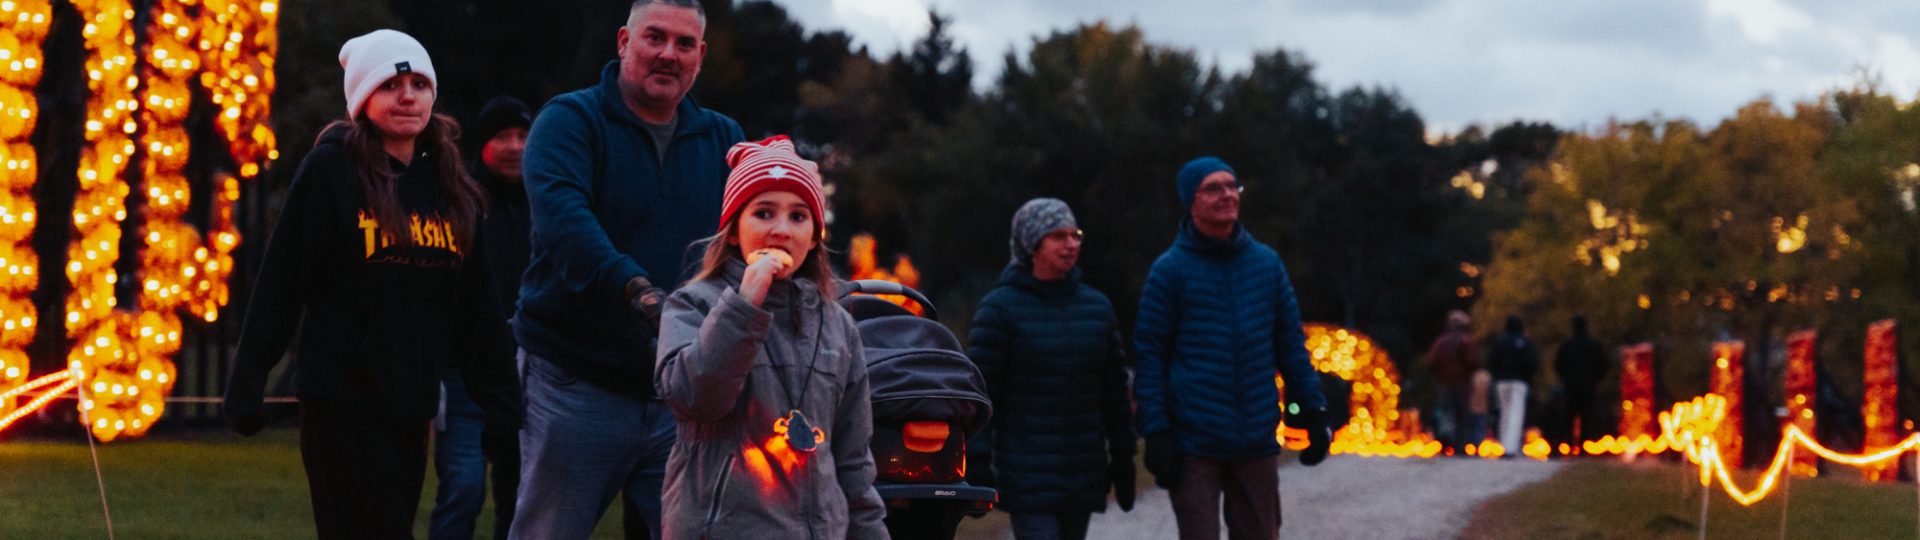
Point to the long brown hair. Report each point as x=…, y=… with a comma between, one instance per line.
x=815, y=267
x=464, y=200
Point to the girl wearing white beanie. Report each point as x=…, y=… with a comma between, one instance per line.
x=376, y=262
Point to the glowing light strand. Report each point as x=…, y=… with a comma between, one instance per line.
x=112, y=119
x=23, y=389
x=21, y=65
x=1694, y=424
x=238, y=42
x=37, y=403
x=120, y=361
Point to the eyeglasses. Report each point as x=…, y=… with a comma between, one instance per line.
x=1221, y=188
x=1075, y=234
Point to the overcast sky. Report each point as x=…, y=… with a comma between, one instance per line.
x=1575, y=63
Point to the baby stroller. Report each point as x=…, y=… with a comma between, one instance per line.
x=927, y=399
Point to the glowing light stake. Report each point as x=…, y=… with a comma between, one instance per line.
x=1636, y=395
x=1799, y=391
x=1878, y=405
x=1729, y=369
x=21, y=64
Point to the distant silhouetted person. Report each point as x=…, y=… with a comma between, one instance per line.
x=1580, y=362
x=1513, y=363
x=1453, y=359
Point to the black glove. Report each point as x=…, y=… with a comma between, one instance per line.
x=647, y=300
x=1319, y=436
x=1164, y=459
x=244, y=413
x=980, y=470
x=1121, y=473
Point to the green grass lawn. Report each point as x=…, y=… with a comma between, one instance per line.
x=213, y=485
x=1607, y=500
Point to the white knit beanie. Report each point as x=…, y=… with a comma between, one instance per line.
x=379, y=55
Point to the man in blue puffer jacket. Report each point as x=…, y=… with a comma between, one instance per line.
x=1217, y=318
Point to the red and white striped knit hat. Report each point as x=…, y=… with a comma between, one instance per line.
x=771, y=165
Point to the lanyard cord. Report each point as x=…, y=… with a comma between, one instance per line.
x=806, y=378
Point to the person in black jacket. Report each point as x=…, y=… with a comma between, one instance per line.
x=1049, y=348
x=1580, y=362
x=460, y=456
x=376, y=261
x=1513, y=363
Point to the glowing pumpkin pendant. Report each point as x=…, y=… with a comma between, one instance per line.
x=802, y=437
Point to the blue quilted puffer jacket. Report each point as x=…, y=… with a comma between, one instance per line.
x=1217, y=320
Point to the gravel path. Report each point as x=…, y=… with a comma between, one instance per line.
x=1346, y=497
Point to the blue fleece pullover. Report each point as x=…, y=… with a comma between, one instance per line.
x=607, y=207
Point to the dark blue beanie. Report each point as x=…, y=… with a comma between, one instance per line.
x=1192, y=173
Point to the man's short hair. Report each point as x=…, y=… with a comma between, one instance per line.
x=689, y=4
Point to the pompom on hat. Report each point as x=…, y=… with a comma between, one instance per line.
x=379, y=55
x=771, y=165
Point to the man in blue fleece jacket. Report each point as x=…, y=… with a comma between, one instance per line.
x=621, y=177
x=1217, y=319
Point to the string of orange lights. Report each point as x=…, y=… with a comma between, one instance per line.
x=238, y=41
x=100, y=202
x=120, y=360
x=65, y=385
x=21, y=59
x=1693, y=428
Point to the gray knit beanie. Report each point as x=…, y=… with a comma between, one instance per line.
x=1032, y=222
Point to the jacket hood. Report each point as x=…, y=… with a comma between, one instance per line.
x=1190, y=239
x=335, y=134
x=1021, y=277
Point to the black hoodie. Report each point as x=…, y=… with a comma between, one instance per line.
x=379, y=323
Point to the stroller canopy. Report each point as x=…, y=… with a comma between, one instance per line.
x=916, y=368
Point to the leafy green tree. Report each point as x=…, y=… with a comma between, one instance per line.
x=1665, y=233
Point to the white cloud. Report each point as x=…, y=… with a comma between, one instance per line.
x=1761, y=20
x=893, y=23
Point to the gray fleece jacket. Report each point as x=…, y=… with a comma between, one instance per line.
x=730, y=370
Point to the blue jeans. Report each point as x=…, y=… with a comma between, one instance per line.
x=581, y=446
x=461, y=467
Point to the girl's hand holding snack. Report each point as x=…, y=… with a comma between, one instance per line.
x=763, y=266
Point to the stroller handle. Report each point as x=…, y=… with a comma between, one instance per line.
x=875, y=286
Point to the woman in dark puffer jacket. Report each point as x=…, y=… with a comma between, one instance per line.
x=1050, y=350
